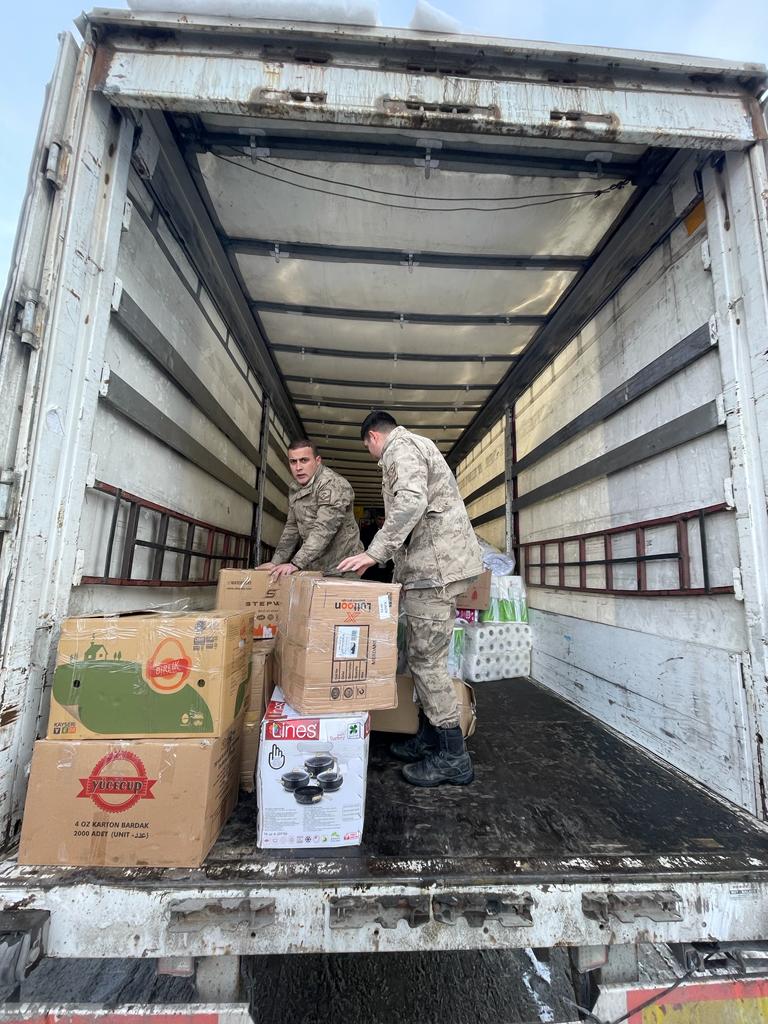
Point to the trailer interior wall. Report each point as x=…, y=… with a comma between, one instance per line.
x=664, y=671
x=480, y=477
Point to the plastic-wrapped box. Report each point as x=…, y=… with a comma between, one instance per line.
x=496, y=651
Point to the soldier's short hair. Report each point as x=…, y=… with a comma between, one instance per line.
x=378, y=420
x=303, y=442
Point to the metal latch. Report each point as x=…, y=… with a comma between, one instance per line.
x=234, y=915
x=23, y=935
x=629, y=906
x=511, y=911
x=387, y=911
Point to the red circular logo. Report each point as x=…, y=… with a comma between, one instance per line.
x=115, y=793
x=167, y=674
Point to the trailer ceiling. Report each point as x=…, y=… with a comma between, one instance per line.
x=408, y=235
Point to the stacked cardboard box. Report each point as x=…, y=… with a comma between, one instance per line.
x=337, y=644
x=311, y=777
x=251, y=590
x=140, y=765
x=261, y=687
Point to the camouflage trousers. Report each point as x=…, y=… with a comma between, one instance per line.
x=429, y=615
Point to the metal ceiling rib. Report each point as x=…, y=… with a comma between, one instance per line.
x=400, y=258
x=400, y=317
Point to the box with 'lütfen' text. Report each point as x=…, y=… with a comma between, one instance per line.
x=337, y=644
x=128, y=676
x=129, y=803
x=311, y=778
x=252, y=590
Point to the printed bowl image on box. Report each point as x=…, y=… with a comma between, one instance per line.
x=128, y=676
x=311, y=778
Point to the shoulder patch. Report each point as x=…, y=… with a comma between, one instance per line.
x=391, y=471
x=324, y=495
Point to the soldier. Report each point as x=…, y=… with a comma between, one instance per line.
x=321, y=523
x=428, y=534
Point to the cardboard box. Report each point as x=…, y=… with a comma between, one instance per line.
x=478, y=595
x=249, y=750
x=139, y=803
x=405, y=717
x=288, y=742
x=261, y=681
x=251, y=590
x=337, y=644
x=261, y=687
x=128, y=676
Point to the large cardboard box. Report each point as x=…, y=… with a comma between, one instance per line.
x=478, y=595
x=405, y=717
x=253, y=590
x=128, y=676
x=139, y=803
x=261, y=687
x=337, y=644
x=326, y=755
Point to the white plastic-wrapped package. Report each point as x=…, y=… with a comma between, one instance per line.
x=496, y=651
x=342, y=12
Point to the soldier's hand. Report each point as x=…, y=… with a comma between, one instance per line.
x=284, y=569
x=356, y=563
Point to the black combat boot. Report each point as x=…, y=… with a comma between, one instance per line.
x=416, y=747
x=450, y=764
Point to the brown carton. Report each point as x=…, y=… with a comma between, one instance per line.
x=337, y=644
x=260, y=683
x=405, y=717
x=478, y=595
x=138, y=803
x=128, y=676
x=253, y=590
x=261, y=687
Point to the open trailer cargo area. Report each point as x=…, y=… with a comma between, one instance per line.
x=550, y=260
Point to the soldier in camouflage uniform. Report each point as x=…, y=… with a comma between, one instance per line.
x=428, y=534
x=321, y=528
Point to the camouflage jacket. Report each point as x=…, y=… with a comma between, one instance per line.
x=427, y=530
x=321, y=523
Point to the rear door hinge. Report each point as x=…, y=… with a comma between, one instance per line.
x=738, y=585
x=56, y=165
x=26, y=325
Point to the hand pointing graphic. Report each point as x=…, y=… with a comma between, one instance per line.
x=276, y=759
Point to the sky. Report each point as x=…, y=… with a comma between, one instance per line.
x=713, y=28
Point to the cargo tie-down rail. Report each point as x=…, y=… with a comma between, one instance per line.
x=596, y=563
x=204, y=549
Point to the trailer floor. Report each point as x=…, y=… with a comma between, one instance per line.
x=555, y=794
x=557, y=797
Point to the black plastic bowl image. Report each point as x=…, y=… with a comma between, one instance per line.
x=311, y=794
x=319, y=763
x=330, y=781
x=293, y=779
